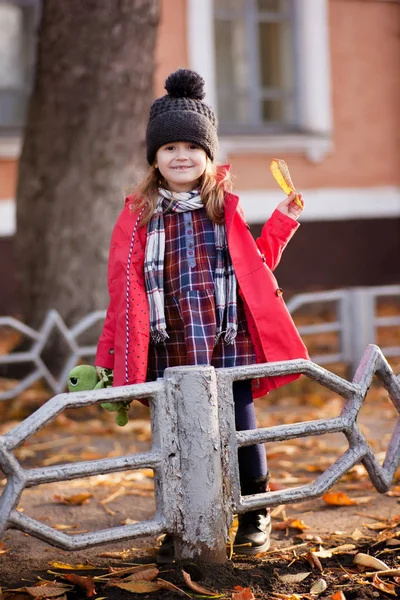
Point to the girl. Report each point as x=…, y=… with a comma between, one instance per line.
x=189, y=285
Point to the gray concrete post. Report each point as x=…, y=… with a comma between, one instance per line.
x=201, y=509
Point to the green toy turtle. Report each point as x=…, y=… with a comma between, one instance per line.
x=85, y=377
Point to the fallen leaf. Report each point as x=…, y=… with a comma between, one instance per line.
x=295, y=523
x=143, y=575
x=3, y=549
x=129, y=521
x=318, y=587
x=167, y=585
x=357, y=535
x=366, y=560
x=314, y=561
x=338, y=499
x=86, y=583
x=242, y=593
x=388, y=588
x=199, y=589
x=338, y=596
x=380, y=525
x=343, y=549
x=61, y=527
x=76, y=499
x=393, y=542
x=139, y=587
x=118, y=572
x=78, y=567
x=293, y=578
x=46, y=591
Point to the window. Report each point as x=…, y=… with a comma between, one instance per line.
x=255, y=74
x=267, y=70
x=18, y=20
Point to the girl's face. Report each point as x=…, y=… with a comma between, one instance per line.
x=181, y=164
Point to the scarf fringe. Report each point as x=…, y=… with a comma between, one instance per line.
x=159, y=335
x=230, y=335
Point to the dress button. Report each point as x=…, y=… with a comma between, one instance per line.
x=263, y=257
x=111, y=351
x=279, y=292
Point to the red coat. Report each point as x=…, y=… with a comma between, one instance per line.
x=124, y=342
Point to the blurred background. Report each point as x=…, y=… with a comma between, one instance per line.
x=315, y=82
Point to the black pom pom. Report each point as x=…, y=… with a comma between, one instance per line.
x=185, y=83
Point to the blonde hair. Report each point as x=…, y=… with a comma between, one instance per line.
x=212, y=183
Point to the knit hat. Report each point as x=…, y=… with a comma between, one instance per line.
x=181, y=116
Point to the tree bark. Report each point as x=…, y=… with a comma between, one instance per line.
x=84, y=143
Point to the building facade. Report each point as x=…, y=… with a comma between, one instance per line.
x=316, y=82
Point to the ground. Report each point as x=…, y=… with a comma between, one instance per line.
x=314, y=537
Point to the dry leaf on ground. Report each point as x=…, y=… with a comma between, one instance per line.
x=78, y=567
x=3, y=549
x=76, y=499
x=139, y=587
x=338, y=499
x=242, y=593
x=365, y=560
x=338, y=596
x=318, y=587
x=143, y=575
x=314, y=561
x=294, y=577
x=199, y=589
x=388, y=588
x=46, y=591
x=86, y=583
x=294, y=523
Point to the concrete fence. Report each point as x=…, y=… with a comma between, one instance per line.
x=194, y=453
x=356, y=324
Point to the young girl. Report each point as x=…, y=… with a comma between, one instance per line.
x=189, y=285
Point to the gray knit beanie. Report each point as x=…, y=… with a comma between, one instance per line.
x=181, y=116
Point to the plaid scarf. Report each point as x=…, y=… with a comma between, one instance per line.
x=224, y=278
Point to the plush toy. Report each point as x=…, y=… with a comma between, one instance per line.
x=84, y=377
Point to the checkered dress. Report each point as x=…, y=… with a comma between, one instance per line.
x=189, y=267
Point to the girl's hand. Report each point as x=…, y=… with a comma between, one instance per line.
x=289, y=207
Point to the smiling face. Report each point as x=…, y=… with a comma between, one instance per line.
x=181, y=164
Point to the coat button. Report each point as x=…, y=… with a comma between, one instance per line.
x=279, y=292
x=263, y=258
x=111, y=351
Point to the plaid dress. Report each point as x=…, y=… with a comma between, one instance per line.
x=190, y=260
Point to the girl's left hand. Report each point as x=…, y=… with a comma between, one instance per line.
x=289, y=207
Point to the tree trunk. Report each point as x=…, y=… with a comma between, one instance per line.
x=84, y=143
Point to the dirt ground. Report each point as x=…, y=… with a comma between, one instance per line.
x=314, y=537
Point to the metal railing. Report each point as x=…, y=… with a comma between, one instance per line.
x=356, y=324
x=195, y=452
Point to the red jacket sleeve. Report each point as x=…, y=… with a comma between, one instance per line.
x=105, y=347
x=275, y=235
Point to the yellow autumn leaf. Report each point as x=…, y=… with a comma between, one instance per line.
x=78, y=567
x=280, y=171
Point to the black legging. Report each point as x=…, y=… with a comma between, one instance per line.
x=252, y=459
